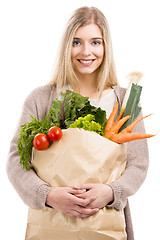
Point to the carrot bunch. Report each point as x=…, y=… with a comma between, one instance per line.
x=112, y=129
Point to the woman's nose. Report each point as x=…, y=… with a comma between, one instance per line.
x=86, y=49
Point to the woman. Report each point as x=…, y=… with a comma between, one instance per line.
x=86, y=66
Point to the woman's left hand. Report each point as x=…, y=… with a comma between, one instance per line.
x=103, y=193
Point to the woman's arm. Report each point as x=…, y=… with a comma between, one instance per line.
x=32, y=190
x=137, y=164
x=135, y=172
x=29, y=186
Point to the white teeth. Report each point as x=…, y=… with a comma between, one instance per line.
x=83, y=61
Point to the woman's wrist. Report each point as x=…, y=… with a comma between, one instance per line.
x=49, y=198
x=110, y=195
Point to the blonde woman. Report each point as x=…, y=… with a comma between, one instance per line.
x=86, y=66
x=106, y=75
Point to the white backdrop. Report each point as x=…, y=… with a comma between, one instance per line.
x=31, y=31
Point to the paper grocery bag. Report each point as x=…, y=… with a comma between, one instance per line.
x=79, y=157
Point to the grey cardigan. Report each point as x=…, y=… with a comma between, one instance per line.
x=33, y=190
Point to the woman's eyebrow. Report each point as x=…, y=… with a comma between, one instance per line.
x=77, y=38
x=98, y=38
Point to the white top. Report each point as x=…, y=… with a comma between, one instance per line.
x=106, y=102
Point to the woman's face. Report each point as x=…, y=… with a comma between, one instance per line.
x=87, y=50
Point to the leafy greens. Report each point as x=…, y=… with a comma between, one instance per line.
x=64, y=111
x=88, y=123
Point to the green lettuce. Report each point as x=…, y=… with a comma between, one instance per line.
x=88, y=123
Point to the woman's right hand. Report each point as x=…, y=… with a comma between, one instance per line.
x=64, y=199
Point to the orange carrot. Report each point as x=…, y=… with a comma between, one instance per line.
x=111, y=118
x=112, y=128
x=119, y=117
x=127, y=137
x=116, y=126
x=130, y=128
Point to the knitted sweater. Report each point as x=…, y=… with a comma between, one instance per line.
x=33, y=190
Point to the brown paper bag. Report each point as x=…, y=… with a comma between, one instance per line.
x=79, y=157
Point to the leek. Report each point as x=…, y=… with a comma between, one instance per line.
x=135, y=78
x=131, y=99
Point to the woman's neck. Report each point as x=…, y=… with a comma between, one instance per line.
x=91, y=91
x=88, y=85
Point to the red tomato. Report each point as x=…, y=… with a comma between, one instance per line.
x=54, y=133
x=41, y=141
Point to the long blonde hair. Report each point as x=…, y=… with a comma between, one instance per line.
x=64, y=73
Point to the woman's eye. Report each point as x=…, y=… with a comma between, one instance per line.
x=76, y=43
x=95, y=43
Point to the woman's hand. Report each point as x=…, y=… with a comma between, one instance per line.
x=103, y=192
x=65, y=200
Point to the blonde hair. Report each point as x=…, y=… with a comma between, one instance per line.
x=65, y=73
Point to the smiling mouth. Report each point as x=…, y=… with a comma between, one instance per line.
x=87, y=61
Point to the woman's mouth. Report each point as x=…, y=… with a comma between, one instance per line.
x=86, y=62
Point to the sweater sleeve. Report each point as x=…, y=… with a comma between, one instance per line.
x=135, y=172
x=29, y=186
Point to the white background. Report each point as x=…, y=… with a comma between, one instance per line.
x=31, y=31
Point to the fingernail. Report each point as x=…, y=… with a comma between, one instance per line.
x=83, y=190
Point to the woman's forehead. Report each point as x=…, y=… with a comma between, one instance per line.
x=88, y=31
